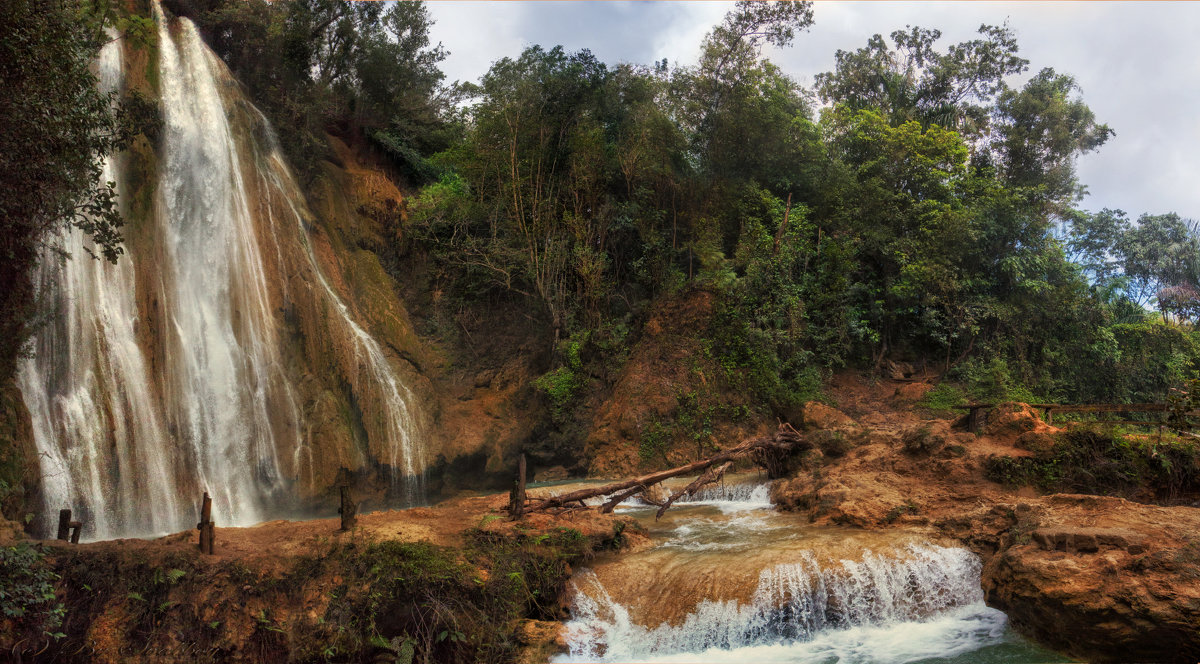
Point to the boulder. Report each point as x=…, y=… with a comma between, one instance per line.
x=927, y=438
x=816, y=415
x=898, y=370
x=1014, y=418
x=1109, y=605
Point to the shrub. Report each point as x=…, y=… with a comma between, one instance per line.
x=27, y=592
x=1099, y=461
x=943, y=397
x=563, y=384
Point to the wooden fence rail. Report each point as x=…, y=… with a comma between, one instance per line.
x=976, y=410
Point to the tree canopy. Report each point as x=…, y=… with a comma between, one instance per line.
x=915, y=202
x=58, y=129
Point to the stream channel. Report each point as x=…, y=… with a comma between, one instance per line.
x=730, y=579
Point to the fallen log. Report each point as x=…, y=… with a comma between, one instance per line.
x=709, y=477
x=785, y=440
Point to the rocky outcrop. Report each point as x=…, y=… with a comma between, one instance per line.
x=1125, y=589
x=1101, y=578
x=1014, y=419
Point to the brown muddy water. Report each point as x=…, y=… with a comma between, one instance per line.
x=729, y=579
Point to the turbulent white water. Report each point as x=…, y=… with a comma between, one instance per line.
x=155, y=381
x=731, y=497
x=729, y=579
x=919, y=602
x=225, y=375
x=87, y=387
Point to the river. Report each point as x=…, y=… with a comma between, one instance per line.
x=727, y=578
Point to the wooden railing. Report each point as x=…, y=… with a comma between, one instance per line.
x=976, y=410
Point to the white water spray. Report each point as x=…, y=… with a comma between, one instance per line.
x=804, y=611
x=160, y=379
x=87, y=386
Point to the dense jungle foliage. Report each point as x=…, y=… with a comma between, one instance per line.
x=914, y=204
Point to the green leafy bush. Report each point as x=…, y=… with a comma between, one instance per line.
x=944, y=397
x=563, y=384
x=1106, y=462
x=27, y=591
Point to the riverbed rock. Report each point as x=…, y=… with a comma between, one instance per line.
x=540, y=632
x=1088, y=540
x=1098, y=577
x=1102, y=603
x=552, y=474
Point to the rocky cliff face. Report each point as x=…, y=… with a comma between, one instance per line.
x=249, y=343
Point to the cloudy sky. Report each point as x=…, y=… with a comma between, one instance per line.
x=1137, y=64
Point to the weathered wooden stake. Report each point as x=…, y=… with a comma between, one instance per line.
x=64, y=524
x=206, y=527
x=348, y=510
x=516, y=505
x=76, y=526
x=974, y=423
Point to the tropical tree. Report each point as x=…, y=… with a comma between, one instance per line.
x=58, y=128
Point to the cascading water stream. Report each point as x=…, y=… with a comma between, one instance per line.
x=87, y=385
x=802, y=607
x=730, y=580
x=163, y=377
x=222, y=373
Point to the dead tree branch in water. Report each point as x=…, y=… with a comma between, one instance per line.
x=765, y=450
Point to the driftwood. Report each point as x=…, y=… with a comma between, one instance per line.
x=710, y=476
x=785, y=441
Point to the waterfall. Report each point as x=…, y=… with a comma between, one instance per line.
x=165, y=376
x=223, y=375
x=87, y=385
x=917, y=602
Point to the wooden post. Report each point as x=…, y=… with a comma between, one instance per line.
x=973, y=420
x=76, y=526
x=516, y=506
x=206, y=527
x=64, y=524
x=1049, y=416
x=348, y=510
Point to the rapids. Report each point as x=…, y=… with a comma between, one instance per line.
x=189, y=365
x=728, y=579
